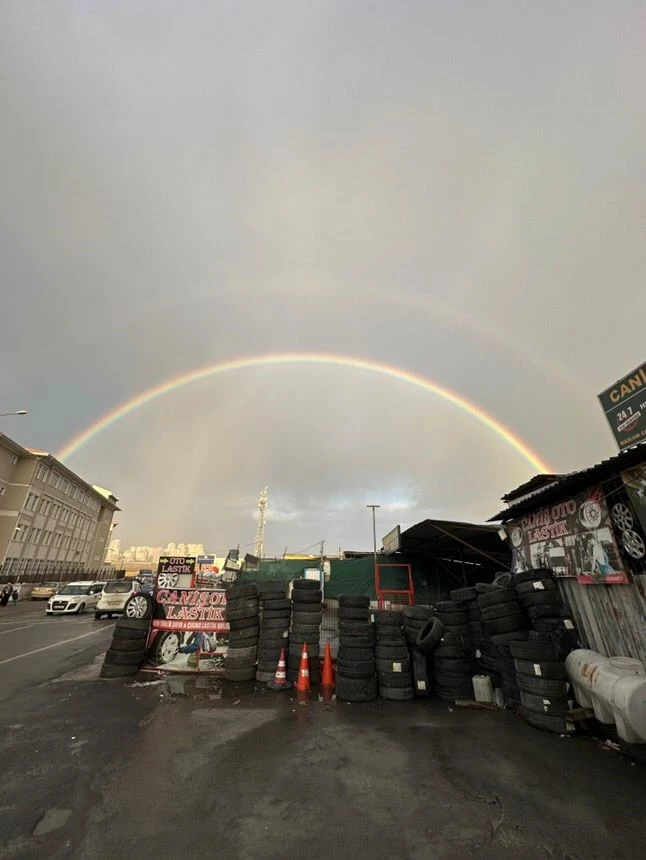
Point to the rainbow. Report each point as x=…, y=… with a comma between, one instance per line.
x=275, y=360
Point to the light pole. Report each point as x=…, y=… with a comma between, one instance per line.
x=17, y=412
x=374, y=531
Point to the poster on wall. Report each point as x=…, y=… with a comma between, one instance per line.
x=624, y=404
x=573, y=538
x=631, y=538
x=189, y=632
x=176, y=571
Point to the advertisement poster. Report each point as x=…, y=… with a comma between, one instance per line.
x=189, y=632
x=573, y=538
x=624, y=404
x=631, y=534
x=176, y=571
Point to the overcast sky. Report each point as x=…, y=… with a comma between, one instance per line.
x=455, y=189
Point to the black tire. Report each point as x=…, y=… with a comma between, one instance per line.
x=395, y=679
x=557, y=706
x=450, y=694
x=358, y=641
x=111, y=670
x=447, y=606
x=532, y=575
x=351, y=613
x=305, y=630
x=537, y=586
x=132, y=624
x=454, y=680
x=550, y=625
x=395, y=666
x=501, y=610
x=452, y=619
x=541, y=598
x=353, y=654
x=264, y=677
x=307, y=597
x=430, y=635
x=243, y=623
x=128, y=645
x=505, y=625
x=503, y=579
x=241, y=614
x=247, y=633
x=358, y=601
x=544, y=687
x=234, y=592
x=356, y=689
x=552, y=671
x=282, y=603
x=159, y=654
x=355, y=628
x=248, y=652
x=534, y=650
x=250, y=603
x=271, y=623
x=391, y=641
x=352, y=672
x=499, y=595
x=307, y=617
x=544, y=610
x=270, y=655
x=390, y=652
x=458, y=630
x=388, y=616
x=558, y=725
x=464, y=595
x=485, y=587
x=397, y=694
x=125, y=658
x=248, y=674
x=306, y=585
x=474, y=614
x=307, y=608
x=455, y=665
x=129, y=635
x=417, y=613
x=98, y=616
x=451, y=651
x=506, y=638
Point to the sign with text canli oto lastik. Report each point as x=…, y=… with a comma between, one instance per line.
x=624, y=404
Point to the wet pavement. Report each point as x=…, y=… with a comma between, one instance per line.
x=195, y=767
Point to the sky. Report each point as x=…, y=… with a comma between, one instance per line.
x=451, y=189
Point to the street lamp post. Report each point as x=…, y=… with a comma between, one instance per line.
x=374, y=531
x=17, y=412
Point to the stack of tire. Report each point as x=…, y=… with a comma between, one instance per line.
x=242, y=615
x=467, y=599
x=127, y=651
x=356, y=669
x=540, y=598
x=543, y=682
x=454, y=666
x=307, y=613
x=394, y=667
x=275, y=613
x=414, y=619
x=455, y=619
x=503, y=622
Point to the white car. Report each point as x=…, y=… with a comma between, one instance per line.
x=74, y=598
x=114, y=596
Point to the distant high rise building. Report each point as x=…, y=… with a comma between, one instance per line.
x=171, y=549
x=195, y=549
x=181, y=549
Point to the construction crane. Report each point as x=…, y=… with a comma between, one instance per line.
x=260, y=533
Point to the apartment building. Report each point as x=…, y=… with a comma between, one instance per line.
x=49, y=516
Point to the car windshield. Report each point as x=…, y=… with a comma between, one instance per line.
x=120, y=586
x=75, y=589
x=48, y=585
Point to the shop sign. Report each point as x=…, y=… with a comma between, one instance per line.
x=392, y=541
x=635, y=483
x=624, y=404
x=573, y=538
x=176, y=571
x=189, y=631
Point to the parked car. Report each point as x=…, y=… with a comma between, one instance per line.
x=44, y=591
x=114, y=596
x=74, y=597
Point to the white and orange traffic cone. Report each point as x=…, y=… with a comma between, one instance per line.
x=280, y=681
x=303, y=682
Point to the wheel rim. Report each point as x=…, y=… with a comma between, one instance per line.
x=633, y=544
x=167, y=580
x=169, y=648
x=622, y=517
x=137, y=607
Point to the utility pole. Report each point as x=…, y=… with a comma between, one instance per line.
x=374, y=531
x=260, y=533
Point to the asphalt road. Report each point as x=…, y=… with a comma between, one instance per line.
x=195, y=768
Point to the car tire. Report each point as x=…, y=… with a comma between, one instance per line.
x=162, y=655
x=551, y=671
x=81, y=609
x=356, y=689
x=138, y=606
x=240, y=674
x=234, y=592
x=98, y=616
x=357, y=601
x=429, y=635
x=508, y=624
x=545, y=687
x=397, y=694
x=498, y=595
x=532, y=575
x=352, y=613
x=556, y=706
x=558, y=725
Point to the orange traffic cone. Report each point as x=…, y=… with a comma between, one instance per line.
x=327, y=679
x=280, y=678
x=303, y=682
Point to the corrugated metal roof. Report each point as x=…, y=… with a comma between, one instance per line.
x=573, y=482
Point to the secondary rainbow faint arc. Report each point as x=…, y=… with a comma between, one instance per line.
x=321, y=359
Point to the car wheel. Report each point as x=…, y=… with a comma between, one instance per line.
x=167, y=580
x=167, y=647
x=138, y=606
x=81, y=609
x=98, y=615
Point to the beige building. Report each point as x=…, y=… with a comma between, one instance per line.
x=50, y=519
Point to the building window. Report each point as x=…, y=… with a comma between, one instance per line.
x=13, y=459
x=3, y=490
x=47, y=538
x=57, y=539
x=37, y=533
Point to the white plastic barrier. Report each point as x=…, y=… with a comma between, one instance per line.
x=614, y=687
